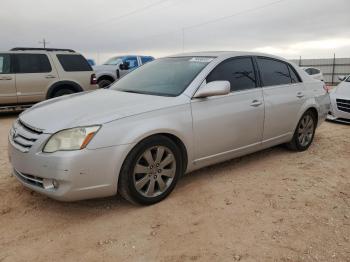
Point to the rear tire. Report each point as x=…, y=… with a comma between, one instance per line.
x=62, y=92
x=304, y=133
x=150, y=171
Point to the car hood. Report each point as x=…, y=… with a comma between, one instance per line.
x=343, y=90
x=91, y=108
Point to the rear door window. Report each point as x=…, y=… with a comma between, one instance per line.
x=238, y=71
x=146, y=59
x=309, y=71
x=5, y=64
x=273, y=72
x=74, y=63
x=32, y=63
x=293, y=75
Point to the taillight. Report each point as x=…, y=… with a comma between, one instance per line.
x=93, y=79
x=326, y=88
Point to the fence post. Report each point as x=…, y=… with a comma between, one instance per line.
x=299, y=60
x=333, y=70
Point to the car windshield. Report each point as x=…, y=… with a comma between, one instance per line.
x=114, y=61
x=163, y=77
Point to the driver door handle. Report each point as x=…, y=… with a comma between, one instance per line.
x=256, y=103
x=50, y=76
x=6, y=78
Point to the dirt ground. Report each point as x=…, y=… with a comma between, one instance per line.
x=274, y=205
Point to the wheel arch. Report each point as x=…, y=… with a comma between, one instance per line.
x=105, y=76
x=314, y=112
x=173, y=137
x=70, y=84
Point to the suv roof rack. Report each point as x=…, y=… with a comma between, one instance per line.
x=40, y=49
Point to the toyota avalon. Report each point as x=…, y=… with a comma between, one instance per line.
x=166, y=118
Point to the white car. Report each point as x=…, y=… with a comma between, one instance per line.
x=170, y=116
x=340, y=102
x=314, y=73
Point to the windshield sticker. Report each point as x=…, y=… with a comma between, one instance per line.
x=201, y=59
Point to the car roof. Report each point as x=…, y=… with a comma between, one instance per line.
x=39, y=52
x=226, y=54
x=306, y=67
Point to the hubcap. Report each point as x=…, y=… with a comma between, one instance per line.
x=306, y=130
x=154, y=171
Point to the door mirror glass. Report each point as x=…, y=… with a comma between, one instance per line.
x=124, y=66
x=215, y=88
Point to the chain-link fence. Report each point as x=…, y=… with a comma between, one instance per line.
x=331, y=68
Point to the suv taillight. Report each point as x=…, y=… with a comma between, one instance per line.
x=93, y=79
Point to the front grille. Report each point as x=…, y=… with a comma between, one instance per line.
x=344, y=120
x=29, y=179
x=24, y=136
x=343, y=105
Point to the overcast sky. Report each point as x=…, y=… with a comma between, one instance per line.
x=101, y=28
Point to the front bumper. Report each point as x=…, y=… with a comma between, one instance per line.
x=82, y=174
x=337, y=115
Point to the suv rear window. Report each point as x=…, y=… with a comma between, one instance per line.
x=74, y=63
x=4, y=64
x=32, y=63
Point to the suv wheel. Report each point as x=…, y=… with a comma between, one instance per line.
x=151, y=170
x=304, y=133
x=62, y=92
x=104, y=83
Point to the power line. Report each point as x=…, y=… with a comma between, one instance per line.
x=183, y=29
x=235, y=14
x=117, y=18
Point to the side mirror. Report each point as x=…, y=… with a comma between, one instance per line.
x=341, y=78
x=215, y=88
x=124, y=66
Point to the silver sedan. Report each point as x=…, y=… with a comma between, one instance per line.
x=166, y=118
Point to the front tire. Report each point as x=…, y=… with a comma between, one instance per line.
x=150, y=171
x=104, y=83
x=304, y=133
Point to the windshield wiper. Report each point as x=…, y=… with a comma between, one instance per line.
x=131, y=91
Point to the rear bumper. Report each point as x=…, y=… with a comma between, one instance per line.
x=78, y=175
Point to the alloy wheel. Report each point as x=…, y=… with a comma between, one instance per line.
x=154, y=171
x=306, y=130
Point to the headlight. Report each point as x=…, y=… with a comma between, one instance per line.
x=70, y=139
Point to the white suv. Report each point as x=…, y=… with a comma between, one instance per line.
x=30, y=75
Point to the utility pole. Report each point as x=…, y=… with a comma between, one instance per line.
x=183, y=40
x=44, y=42
x=333, y=69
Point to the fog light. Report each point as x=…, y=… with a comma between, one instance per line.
x=50, y=183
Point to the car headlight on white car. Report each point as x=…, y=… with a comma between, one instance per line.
x=70, y=139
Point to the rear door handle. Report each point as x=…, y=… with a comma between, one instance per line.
x=256, y=103
x=50, y=76
x=6, y=78
x=300, y=94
